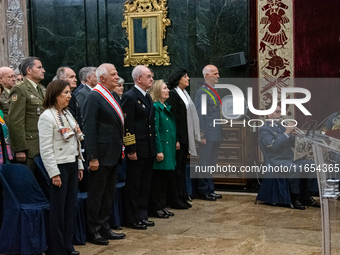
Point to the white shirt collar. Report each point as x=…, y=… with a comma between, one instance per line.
x=88, y=86
x=141, y=91
x=7, y=90
x=33, y=83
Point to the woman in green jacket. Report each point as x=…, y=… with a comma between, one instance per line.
x=165, y=127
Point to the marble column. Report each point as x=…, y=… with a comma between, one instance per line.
x=13, y=31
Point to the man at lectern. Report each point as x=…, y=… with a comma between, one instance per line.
x=277, y=142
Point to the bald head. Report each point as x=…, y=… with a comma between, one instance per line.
x=107, y=75
x=7, y=77
x=210, y=74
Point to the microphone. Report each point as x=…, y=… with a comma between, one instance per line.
x=324, y=121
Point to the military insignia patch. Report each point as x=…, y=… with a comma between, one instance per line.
x=14, y=97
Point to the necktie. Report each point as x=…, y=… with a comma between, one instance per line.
x=40, y=91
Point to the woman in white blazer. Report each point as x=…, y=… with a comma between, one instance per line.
x=59, y=140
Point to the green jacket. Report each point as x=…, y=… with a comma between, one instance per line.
x=165, y=129
x=24, y=112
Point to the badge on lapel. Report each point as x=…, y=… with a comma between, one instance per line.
x=14, y=97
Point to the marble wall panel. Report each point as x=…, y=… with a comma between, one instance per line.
x=86, y=32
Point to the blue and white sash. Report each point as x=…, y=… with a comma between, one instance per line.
x=110, y=99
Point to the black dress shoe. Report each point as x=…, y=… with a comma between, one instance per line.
x=160, y=214
x=217, y=196
x=188, y=204
x=166, y=211
x=311, y=202
x=98, y=239
x=148, y=223
x=139, y=225
x=112, y=235
x=297, y=205
x=207, y=198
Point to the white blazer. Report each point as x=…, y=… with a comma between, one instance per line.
x=53, y=148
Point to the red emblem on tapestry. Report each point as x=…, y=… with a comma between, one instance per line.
x=275, y=19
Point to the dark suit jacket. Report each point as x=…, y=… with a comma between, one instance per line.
x=208, y=131
x=75, y=110
x=140, y=123
x=81, y=96
x=276, y=144
x=179, y=111
x=103, y=131
x=77, y=89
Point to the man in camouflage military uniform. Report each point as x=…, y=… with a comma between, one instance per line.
x=7, y=80
x=25, y=109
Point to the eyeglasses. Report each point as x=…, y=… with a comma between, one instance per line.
x=278, y=111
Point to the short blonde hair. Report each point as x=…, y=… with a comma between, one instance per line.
x=156, y=90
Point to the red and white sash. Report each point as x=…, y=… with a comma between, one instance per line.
x=110, y=99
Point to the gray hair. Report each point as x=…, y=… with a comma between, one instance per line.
x=121, y=80
x=86, y=72
x=61, y=72
x=102, y=71
x=82, y=76
x=137, y=71
x=27, y=63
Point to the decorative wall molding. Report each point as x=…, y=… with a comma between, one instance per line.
x=14, y=39
x=275, y=49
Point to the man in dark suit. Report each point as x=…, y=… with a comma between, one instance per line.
x=103, y=128
x=82, y=78
x=67, y=74
x=278, y=141
x=140, y=148
x=211, y=136
x=90, y=83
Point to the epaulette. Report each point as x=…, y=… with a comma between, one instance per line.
x=19, y=83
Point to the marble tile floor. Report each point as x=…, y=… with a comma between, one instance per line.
x=233, y=225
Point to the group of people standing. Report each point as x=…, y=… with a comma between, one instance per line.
x=94, y=125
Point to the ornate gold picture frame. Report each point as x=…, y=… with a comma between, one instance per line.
x=145, y=22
